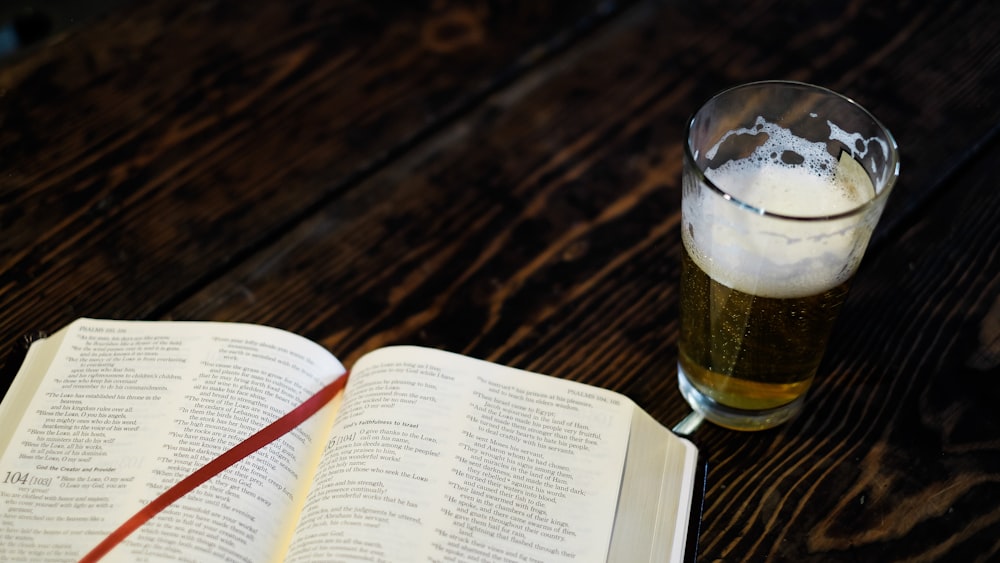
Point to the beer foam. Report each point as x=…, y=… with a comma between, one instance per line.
x=772, y=178
x=787, y=190
x=771, y=256
x=861, y=148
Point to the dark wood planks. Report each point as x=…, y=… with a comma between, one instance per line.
x=899, y=458
x=540, y=232
x=559, y=182
x=145, y=153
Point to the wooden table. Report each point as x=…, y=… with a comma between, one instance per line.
x=502, y=180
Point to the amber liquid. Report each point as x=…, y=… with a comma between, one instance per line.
x=751, y=352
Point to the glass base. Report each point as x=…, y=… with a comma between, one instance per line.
x=732, y=418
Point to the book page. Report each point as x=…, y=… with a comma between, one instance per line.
x=655, y=504
x=438, y=457
x=128, y=409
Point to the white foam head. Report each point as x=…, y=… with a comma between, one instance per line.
x=747, y=248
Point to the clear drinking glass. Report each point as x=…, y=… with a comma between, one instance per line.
x=783, y=184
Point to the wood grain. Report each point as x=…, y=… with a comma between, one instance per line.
x=558, y=181
x=899, y=457
x=541, y=232
x=451, y=192
x=146, y=153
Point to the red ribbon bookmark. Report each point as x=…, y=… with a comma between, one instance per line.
x=272, y=432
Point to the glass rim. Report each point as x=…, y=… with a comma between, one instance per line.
x=893, y=160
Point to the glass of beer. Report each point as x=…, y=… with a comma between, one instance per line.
x=783, y=184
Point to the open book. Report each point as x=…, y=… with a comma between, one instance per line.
x=427, y=455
